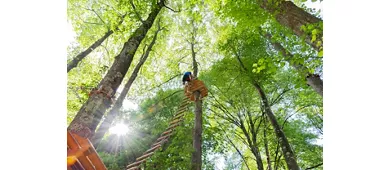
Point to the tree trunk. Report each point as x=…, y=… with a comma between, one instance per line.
x=90, y=114
x=266, y=147
x=291, y=16
x=312, y=80
x=83, y=54
x=315, y=81
x=286, y=149
x=196, y=160
x=103, y=128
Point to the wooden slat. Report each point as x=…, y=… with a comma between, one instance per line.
x=160, y=142
x=134, y=168
x=167, y=132
x=97, y=162
x=174, y=121
x=153, y=149
x=145, y=156
x=71, y=141
x=173, y=126
x=136, y=163
x=86, y=163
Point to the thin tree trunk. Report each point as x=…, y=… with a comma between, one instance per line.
x=291, y=16
x=254, y=146
x=196, y=160
x=266, y=146
x=286, y=149
x=72, y=64
x=103, y=128
x=90, y=114
x=313, y=80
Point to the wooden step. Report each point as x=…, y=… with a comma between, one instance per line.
x=173, y=126
x=136, y=164
x=166, y=132
x=163, y=137
x=174, y=121
x=159, y=143
x=153, y=149
x=144, y=156
x=178, y=116
x=134, y=168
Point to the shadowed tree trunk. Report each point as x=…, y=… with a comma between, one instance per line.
x=111, y=115
x=90, y=114
x=286, y=148
x=313, y=80
x=291, y=16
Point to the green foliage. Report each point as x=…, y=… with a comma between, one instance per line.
x=225, y=33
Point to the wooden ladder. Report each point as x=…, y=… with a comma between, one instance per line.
x=176, y=120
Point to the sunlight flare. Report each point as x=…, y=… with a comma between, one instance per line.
x=119, y=129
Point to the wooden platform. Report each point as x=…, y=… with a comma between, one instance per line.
x=195, y=85
x=81, y=154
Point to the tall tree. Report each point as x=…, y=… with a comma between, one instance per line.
x=286, y=148
x=293, y=17
x=90, y=114
x=111, y=115
x=197, y=136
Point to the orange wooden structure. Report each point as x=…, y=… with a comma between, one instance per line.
x=82, y=155
x=193, y=86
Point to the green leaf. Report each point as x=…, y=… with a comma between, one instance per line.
x=254, y=65
x=320, y=54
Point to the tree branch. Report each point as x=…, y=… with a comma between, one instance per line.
x=135, y=11
x=314, y=166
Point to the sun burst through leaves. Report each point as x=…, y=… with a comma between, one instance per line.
x=119, y=129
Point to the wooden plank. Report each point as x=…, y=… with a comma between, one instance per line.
x=174, y=121
x=160, y=142
x=71, y=141
x=173, y=126
x=86, y=163
x=134, y=168
x=97, y=162
x=145, y=156
x=166, y=132
x=136, y=164
x=153, y=149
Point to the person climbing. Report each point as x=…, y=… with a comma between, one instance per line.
x=187, y=77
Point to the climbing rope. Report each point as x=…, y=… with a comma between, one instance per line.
x=176, y=120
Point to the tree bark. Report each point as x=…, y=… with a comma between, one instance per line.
x=196, y=159
x=75, y=61
x=103, y=128
x=286, y=148
x=312, y=80
x=291, y=16
x=90, y=114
